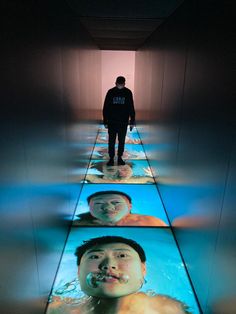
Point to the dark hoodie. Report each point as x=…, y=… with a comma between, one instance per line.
x=119, y=107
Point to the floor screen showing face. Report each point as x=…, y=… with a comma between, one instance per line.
x=120, y=256
x=120, y=205
x=135, y=171
x=119, y=262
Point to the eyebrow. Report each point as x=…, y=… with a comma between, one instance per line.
x=101, y=250
x=101, y=198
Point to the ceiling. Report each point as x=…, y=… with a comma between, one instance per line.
x=124, y=24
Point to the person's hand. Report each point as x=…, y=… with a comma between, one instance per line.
x=133, y=140
x=91, y=165
x=148, y=171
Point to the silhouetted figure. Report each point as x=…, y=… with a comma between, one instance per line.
x=118, y=112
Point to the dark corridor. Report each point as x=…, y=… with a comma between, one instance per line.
x=184, y=91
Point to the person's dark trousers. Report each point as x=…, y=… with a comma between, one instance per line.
x=113, y=131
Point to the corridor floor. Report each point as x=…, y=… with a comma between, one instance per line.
x=166, y=272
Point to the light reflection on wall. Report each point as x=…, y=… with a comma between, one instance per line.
x=42, y=113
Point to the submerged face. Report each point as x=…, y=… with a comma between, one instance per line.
x=109, y=207
x=111, y=271
x=117, y=172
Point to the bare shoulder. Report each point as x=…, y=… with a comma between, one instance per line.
x=168, y=305
x=93, y=179
x=162, y=304
x=83, y=222
x=150, y=220
x=59, y=307
x=64, y=310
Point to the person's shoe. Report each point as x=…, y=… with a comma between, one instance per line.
x=120, y=161
x=110, y=162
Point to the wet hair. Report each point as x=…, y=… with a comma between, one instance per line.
x=108, y=192
x=80, y=250
x=120, y=80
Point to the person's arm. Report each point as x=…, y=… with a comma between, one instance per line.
x=93, y=178
x=57, y=307
x=105, y=109
x=131, y=110
x=153, y=221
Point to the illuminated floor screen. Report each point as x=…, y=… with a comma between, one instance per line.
x=125, y=248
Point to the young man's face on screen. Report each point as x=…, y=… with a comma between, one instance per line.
x=117, y=173
x=109, y=207
x=110, y=271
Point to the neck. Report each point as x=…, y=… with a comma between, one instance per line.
x=106, y=305
x=113, y=223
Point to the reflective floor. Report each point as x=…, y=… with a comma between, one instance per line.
x=120, y=201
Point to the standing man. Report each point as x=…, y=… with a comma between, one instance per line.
x=118, y=112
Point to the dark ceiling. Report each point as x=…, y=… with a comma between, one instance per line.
x=124, y=24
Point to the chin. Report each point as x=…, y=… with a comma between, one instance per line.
x=117, y=293
x=109, y=295
x=111, y=220
x=108, y=220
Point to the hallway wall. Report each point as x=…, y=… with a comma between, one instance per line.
x=116, y=63
x=184, y=80
x=48, y=65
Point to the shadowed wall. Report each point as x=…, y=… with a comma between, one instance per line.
x=48, y=64
x=184, y=78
